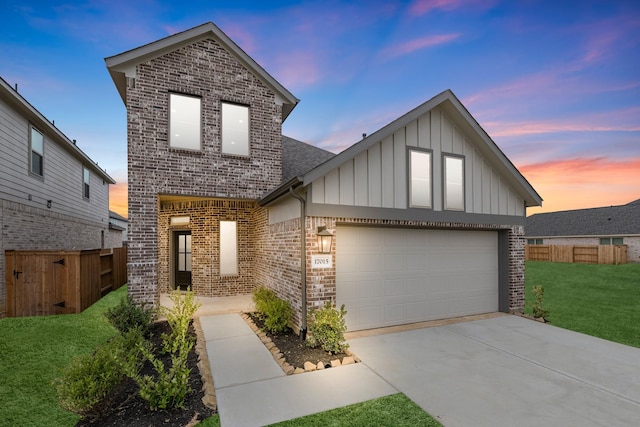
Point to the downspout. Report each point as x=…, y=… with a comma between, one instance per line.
x=303, y=262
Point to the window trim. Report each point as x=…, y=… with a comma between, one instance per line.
x=222, y=129
x=169, y=120
x=228, y=255
x=410, y=151
x=86, y=186
x=32, y=129
x=446, y=156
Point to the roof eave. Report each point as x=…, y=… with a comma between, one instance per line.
x=280, y=191
x=36, y=117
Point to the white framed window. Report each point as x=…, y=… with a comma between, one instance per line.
x=185, y=121
x=36, y=161
x=611, y=240
x=235, y=129
x=86, y=182
x=228, y=248
x=453, y=169
x=420, y=179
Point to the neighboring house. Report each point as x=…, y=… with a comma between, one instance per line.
x=117, y=230
x=427, y=214
x=609, y=225
x=52, y=195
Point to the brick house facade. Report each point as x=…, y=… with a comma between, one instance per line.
x=185, y=203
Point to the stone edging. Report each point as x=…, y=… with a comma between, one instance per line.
x=209, y=398
x=286, y=367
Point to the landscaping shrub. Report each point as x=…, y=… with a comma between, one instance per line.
x=168, y=389
x=131, y=315
x=89, y=382
x=275, y=311
x=278, y=314
x=326, y=328
x=538, y=303
x=262, y=297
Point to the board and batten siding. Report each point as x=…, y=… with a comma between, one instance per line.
x=62, y=182
x=378, y=176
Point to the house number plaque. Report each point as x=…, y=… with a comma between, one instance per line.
x=321, y=261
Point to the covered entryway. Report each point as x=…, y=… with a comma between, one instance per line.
x=393, y=276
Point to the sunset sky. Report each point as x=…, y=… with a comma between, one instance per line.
x=556, y=84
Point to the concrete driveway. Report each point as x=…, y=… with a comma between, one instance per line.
x=507, y=371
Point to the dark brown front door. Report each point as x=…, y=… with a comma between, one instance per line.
x=182, y=252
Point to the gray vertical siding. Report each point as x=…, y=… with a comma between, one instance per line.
x=377, y=177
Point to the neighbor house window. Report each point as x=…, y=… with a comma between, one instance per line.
x=184, y=121
x=228, y=248
x=611, y=241
x=86, y=180
x=534, y=241
x=235, y=129
x=453, y=182
x=37, y=151
x=420, y=179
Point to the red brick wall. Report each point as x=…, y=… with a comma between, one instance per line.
x=203, y=69
x=204, y=224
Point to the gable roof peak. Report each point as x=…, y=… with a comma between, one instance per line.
x=124, y=64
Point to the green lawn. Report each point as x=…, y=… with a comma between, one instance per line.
x=394, y=410
x=598, y=300
x=33, y=350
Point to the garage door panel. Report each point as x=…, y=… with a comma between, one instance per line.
x=408, y=275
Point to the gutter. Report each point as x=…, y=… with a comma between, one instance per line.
x=303, y=261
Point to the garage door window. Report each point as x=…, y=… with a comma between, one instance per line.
x=453, y=182
x=419, y=179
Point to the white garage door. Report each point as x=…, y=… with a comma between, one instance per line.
x=391, y=276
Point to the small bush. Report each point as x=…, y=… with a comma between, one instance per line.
x=168, y=389
x=278, y=314
x=89, y=382
x=538, y=303
x=326, y=328
x=262, y=297
x=130, y=315
x=275, y=311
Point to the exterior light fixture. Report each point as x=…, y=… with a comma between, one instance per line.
x=325, y=239
x=49, y=203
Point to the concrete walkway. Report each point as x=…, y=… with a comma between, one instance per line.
x=252, y=390
x=508, y=371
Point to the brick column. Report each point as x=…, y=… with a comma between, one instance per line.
x=516, y=268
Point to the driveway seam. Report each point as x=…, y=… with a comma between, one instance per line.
x=533, y=362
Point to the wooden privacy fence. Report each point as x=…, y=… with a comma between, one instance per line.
x=61, y=282
x=584, y=254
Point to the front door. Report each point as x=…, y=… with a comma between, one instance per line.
x=182, y=250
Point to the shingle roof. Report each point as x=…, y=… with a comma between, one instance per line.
x=299, y=158
x=605, y=221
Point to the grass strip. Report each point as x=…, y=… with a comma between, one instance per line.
x=33, y=351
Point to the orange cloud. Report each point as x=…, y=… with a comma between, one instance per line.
x=118, y=198
x=584, y=182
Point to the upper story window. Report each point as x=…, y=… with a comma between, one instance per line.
x=36, y=141
x=235, y=129
x=453, y=182
x=184, y=121
x=420, y=179
x=86, y=180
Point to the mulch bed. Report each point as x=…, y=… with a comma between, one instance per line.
x=129, y=409
x=295, y=351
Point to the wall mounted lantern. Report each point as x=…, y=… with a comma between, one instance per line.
x=325, y=239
